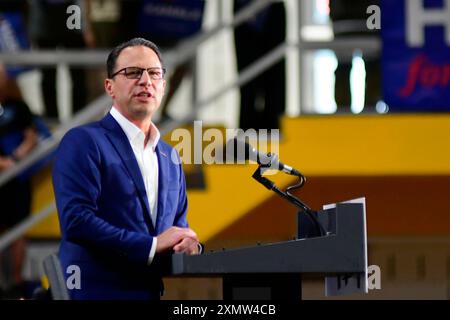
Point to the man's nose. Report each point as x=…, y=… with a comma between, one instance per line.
x=145, y=78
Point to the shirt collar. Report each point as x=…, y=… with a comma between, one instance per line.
x=133, y=133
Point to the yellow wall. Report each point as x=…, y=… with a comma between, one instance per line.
x=408, y=144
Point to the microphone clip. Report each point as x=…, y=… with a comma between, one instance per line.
x=258, y=176
x=267, y=163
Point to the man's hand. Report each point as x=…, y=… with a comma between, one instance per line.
x=6, y=163
x=178, y=239
x=188, y=246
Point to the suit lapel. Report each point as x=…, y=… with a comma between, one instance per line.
x=163, y=164
x=120, y=142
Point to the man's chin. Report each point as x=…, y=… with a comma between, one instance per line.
x=143, y=110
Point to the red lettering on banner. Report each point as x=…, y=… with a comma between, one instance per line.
x=424, y=73
x=413, y=74
x=446, y=77
x=430, y=76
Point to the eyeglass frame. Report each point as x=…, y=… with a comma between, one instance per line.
x=142, y=72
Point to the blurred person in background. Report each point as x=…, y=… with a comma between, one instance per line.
x=263, y=98
x=102, y=22
x=349, y=19
x=168, y=22
x=18, y=137
x=102, y=30
x=48, y=31
x=13, y=31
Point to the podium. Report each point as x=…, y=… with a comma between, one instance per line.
x=274, y=271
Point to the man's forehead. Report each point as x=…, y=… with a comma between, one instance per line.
x=138, y=54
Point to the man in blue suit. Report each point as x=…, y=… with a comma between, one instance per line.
x=121, y=199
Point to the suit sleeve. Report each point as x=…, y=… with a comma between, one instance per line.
x=77, y=185
x=181, y=218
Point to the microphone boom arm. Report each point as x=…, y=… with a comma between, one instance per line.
x=257, y=175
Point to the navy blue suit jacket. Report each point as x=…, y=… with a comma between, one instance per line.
x=104, y=213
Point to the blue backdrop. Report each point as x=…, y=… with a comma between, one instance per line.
x=414, y=78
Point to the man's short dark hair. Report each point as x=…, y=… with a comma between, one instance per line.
x=114, y=54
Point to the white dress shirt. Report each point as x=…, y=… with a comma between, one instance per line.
x=147, y=161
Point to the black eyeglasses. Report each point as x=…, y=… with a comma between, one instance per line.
x=155, y=73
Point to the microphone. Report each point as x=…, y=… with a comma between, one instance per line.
x=242, y=151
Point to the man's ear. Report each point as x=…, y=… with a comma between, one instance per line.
x=109, y=87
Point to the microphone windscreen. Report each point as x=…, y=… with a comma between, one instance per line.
x=239, y=150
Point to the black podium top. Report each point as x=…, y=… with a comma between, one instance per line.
x=342, y=250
